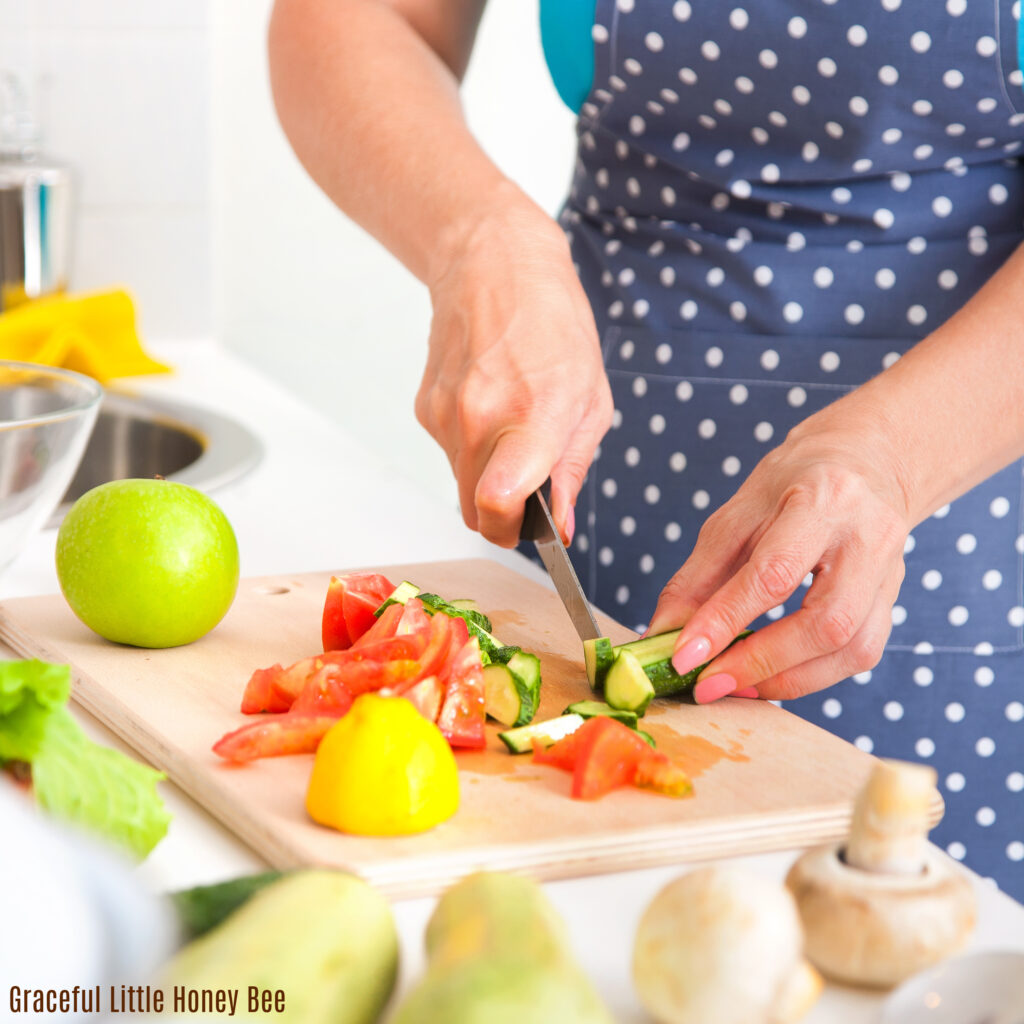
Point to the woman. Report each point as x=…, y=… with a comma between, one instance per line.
x=794, y=255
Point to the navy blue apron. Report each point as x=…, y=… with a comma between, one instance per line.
x=771, y=203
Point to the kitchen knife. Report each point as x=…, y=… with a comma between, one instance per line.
x=539, y=527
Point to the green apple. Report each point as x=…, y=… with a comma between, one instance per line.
x=151, y=563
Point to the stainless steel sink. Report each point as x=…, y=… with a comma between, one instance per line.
x=144, y=437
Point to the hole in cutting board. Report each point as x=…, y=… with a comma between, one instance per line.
x=272, y=590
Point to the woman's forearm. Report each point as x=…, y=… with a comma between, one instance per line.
x=950, y=412
x=372, y=109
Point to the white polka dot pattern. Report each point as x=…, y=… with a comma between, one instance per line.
x=766, y=212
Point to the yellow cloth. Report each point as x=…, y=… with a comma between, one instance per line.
x=93, y=334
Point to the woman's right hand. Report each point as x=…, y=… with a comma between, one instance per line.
x=514, y=389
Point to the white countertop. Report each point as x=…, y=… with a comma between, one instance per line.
x=299, y=510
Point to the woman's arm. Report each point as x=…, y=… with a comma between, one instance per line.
x=838, y=499
x=514, y=389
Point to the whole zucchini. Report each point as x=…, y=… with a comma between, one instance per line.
x=497, y=951
x=324, y=939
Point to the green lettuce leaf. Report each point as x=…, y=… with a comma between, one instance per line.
x=73, y=778
x=29, y=693
x=97, y=788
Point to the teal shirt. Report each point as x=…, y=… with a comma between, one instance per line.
x=565, y=34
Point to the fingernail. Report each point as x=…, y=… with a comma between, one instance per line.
x=714, y=688
x=570, y=524
x=747, y=691
x=693, y=653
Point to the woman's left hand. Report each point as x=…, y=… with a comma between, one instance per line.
x=822, y=503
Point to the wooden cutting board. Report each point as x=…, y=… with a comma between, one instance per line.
x=764, y=778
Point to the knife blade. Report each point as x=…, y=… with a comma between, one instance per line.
x=539, y=527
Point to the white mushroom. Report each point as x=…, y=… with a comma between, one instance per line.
x=885, y=904
x=723, y=946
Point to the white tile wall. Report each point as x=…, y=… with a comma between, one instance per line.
x=122, y=90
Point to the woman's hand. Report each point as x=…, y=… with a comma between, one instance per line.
x=821, y=503
x=514, y=388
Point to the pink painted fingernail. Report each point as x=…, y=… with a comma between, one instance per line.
x=714, y=688
x=693, y=653
x=748, y=691
x=570, y=524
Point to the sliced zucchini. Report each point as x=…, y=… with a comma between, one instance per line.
x=525, y=669
x=520, y=741
x=466, y=604
x=399, y=595
x=598, y=656
x=647, y=737
x=626, y=686
x=593, y=708
x=654, y=655
x=512, y=691
x=503, y=652
x=502, y=699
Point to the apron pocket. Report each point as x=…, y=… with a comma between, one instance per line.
x=694, y=413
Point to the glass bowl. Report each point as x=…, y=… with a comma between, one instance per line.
x=46, y=417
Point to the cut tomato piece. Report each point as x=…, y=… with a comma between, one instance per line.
x=259, y=694
x=462, y=715
x=323, y=694
x=426, y=695
x=440, y=641
x=607, y=757
x=366, y=676
x=274, y=689
x=345, y=616
x=561, y=754
x=333, y=630
x=383, y=627
x=274, y=737
x=603, y=754
x=657, y=772
x=414, y=618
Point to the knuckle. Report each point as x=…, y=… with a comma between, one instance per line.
x=496, y=506
x=759, y=664
x=471, y=410
x=715, y=529
x=866, y=649
x=675, y=599
x=672, y=593
x=836, y=627
x=776, y=576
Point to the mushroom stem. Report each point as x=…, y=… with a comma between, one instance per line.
x=889, y=904
x=889, y=830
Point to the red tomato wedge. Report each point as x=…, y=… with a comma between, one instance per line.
x=426, y=695
x=603, y=754
x=663, y=776
x=259, y=694
x=275, y=736
x=462, y=716
x=414, y=618
x=445, y=634
x=333, y=630
x=561, y=754
x=275, y=689
x=323, y=694
x=349, y=606
x=383, y=627
x=607, y=756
